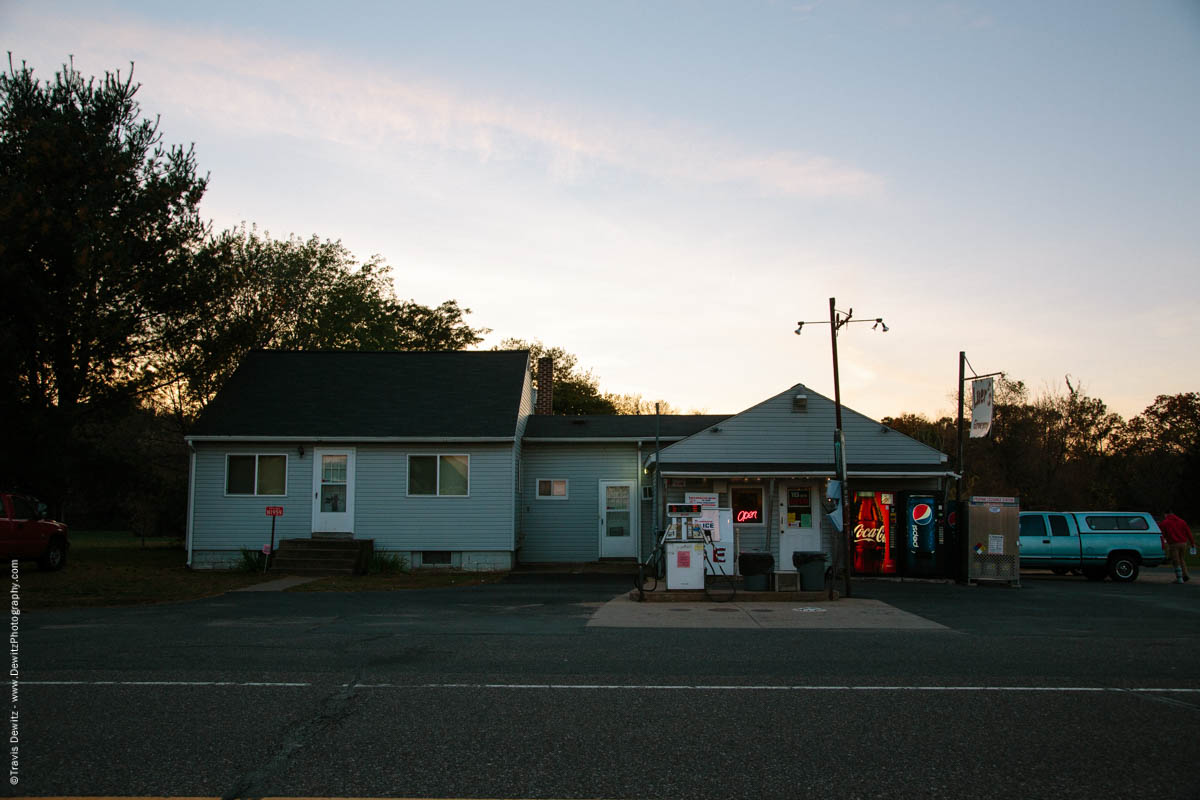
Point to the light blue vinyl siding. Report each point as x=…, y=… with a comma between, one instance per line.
x=384, y=512
x=772, y=432
x=569, y=530
x=232, y=522
x=482, y=521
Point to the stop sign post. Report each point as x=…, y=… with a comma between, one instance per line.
x=272, y=512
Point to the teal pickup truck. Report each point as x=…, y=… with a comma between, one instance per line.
x=1096, y=543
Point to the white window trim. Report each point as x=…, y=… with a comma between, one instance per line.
x=566, y=488
x=255, y=493
x=762, y=503
x=437, y=476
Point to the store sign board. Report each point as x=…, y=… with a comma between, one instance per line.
x=981, y=407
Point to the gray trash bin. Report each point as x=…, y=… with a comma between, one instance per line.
x=810, y=570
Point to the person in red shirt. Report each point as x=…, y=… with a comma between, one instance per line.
x=1179, y=539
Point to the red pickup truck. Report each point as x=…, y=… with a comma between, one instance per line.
x=26, y=534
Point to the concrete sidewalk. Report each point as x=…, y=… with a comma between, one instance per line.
x=279, y=584
x=846, y=613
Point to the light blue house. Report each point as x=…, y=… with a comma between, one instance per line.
x=442, y=458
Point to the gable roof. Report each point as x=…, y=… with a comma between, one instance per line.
x=773, y=437
x=375, y=395
x=622, y=427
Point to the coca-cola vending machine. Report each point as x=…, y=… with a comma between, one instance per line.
x=872, y=541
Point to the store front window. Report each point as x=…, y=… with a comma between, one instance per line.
x=747, y=505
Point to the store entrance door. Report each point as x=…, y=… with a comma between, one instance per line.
x=799, y=522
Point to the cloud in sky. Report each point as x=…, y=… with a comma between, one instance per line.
x=265, y=87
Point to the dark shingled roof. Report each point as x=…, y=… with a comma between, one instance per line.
x=322, y=394
x=624, y=426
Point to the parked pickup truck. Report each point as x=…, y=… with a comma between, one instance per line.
x=1097, y=543
x=27, y=534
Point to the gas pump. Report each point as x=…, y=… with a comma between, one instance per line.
x=684, y=544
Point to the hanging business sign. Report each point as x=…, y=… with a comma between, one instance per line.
x=981, y=407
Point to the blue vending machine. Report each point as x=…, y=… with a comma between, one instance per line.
x=921, y=547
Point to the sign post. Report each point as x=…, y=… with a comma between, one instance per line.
x=272, y=512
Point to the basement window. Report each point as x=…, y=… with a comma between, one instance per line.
x=435, y=558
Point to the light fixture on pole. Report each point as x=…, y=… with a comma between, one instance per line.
x=838, y=320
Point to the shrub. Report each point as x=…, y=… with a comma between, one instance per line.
x=385, y=563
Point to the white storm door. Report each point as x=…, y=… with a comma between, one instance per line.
x=333, y=490
x=799, y=523
x=618, y=519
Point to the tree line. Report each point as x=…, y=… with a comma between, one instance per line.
x=1066, y=451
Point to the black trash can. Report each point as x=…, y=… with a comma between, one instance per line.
x=755, y=567
x=810, y=570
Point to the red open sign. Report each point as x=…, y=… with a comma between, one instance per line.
x=274, y=511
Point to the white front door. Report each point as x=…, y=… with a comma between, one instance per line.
x=618, y=519
x=333, y=490
x=799, y=523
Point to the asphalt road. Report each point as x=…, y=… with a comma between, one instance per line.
x=1062, y=688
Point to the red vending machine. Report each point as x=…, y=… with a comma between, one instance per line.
x=874, y=548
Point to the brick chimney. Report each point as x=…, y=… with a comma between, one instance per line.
x=545, y=386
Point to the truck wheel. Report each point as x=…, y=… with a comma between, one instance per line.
x=1123, y=568
x=1094, y=573
x=55, y=557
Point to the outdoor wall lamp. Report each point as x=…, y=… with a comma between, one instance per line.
x=300, y=450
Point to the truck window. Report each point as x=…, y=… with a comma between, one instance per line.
x=23, y=508
x=1102, y=523
x=1034, y=525
x=1058, y=525
x=1132, y=524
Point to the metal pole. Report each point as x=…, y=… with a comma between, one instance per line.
x=962, y=359
x=839, y=446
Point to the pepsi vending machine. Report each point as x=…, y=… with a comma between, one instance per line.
x=922, y=545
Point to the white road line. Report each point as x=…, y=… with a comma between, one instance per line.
x=771, y=688
x=647, y=687
x=161, y=683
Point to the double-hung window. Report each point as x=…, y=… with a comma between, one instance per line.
x=256, y=475
x=439, y=476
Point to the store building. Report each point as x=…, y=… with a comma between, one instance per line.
x=451, y=460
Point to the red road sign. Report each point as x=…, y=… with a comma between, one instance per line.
x=274, y=511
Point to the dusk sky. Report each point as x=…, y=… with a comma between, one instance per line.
x=665, y=189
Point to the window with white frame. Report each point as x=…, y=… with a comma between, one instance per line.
x=439, y=475
x=258, y=474
x=552, y=489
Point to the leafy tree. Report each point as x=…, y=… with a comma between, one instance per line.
x=1159, y=456
x=97, y=220
x=576, y=391
x=635, y=404
x=296, y=294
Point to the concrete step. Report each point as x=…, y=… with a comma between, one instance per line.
x=322, y=556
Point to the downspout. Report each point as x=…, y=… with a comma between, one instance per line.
x=191, y=506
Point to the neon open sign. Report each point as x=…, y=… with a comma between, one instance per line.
x=748, y=516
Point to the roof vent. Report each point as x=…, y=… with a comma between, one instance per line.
x=800, y=402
